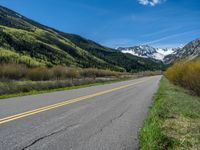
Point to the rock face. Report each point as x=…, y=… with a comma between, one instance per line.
x=189, y=51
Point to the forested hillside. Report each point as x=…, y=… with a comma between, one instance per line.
x=25, y=41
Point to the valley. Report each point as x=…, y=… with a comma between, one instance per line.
x=25, y=41
x=60, y=90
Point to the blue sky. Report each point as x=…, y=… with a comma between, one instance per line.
x=160, y=23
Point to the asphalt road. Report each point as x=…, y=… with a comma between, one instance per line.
x=105, y=117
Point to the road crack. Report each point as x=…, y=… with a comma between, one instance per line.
x=109, y=122
x=46, y=136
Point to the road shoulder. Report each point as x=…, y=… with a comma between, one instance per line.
x=173, y=121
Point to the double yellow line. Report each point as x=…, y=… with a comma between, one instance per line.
x=49, y=107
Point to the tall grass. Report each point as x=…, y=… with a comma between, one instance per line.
x=186, y=73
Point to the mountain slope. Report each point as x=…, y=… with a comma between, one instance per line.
x=25, y=41
x=189, y=51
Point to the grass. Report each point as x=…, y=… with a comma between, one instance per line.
x=174, y=120
x=33, y=92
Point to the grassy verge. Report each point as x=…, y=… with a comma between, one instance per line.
x=173, y=121
x=31, y=89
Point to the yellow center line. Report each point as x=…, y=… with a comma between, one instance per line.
x=53, y=106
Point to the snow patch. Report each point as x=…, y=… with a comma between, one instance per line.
x=147, y=51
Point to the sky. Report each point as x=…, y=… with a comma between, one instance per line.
x=118, y=23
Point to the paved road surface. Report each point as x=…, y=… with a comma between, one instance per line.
x=105, y=117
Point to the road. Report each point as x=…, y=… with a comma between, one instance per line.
x=104, y=117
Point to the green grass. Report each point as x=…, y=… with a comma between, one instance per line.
x=33, y=92
x=173, y=121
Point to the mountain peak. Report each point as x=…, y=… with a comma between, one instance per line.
x=148, y=51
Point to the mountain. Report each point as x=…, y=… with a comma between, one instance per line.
x=23, y=40
x=189, y=51
x=147, y=51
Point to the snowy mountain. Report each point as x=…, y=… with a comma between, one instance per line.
x=189, y=51
x=167, y=55
x=148, y=51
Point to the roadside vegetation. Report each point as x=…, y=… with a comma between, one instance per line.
x=22, y=72
x=19, y=79
x=173, y=121
x=186, y=74
x=22, y=88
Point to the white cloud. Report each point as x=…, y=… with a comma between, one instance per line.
x=162, y=39
x=143, y=2
x=150, y=2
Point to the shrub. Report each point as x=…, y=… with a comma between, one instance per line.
x=93, y=73
x=16, y=71
x=39, y=74
x=89, y=73
x=12, y=71
x=59, y=72
x=72, y=73
x=186, y=74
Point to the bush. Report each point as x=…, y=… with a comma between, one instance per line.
x=17, y=71
x=186, y=74
x=59, y=72
x=72, y=73
x=89, y=73
x=93, y=73
x=148, y=73
x=39, y=74
x=12, y=71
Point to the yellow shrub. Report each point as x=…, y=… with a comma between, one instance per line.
x=186, y=73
